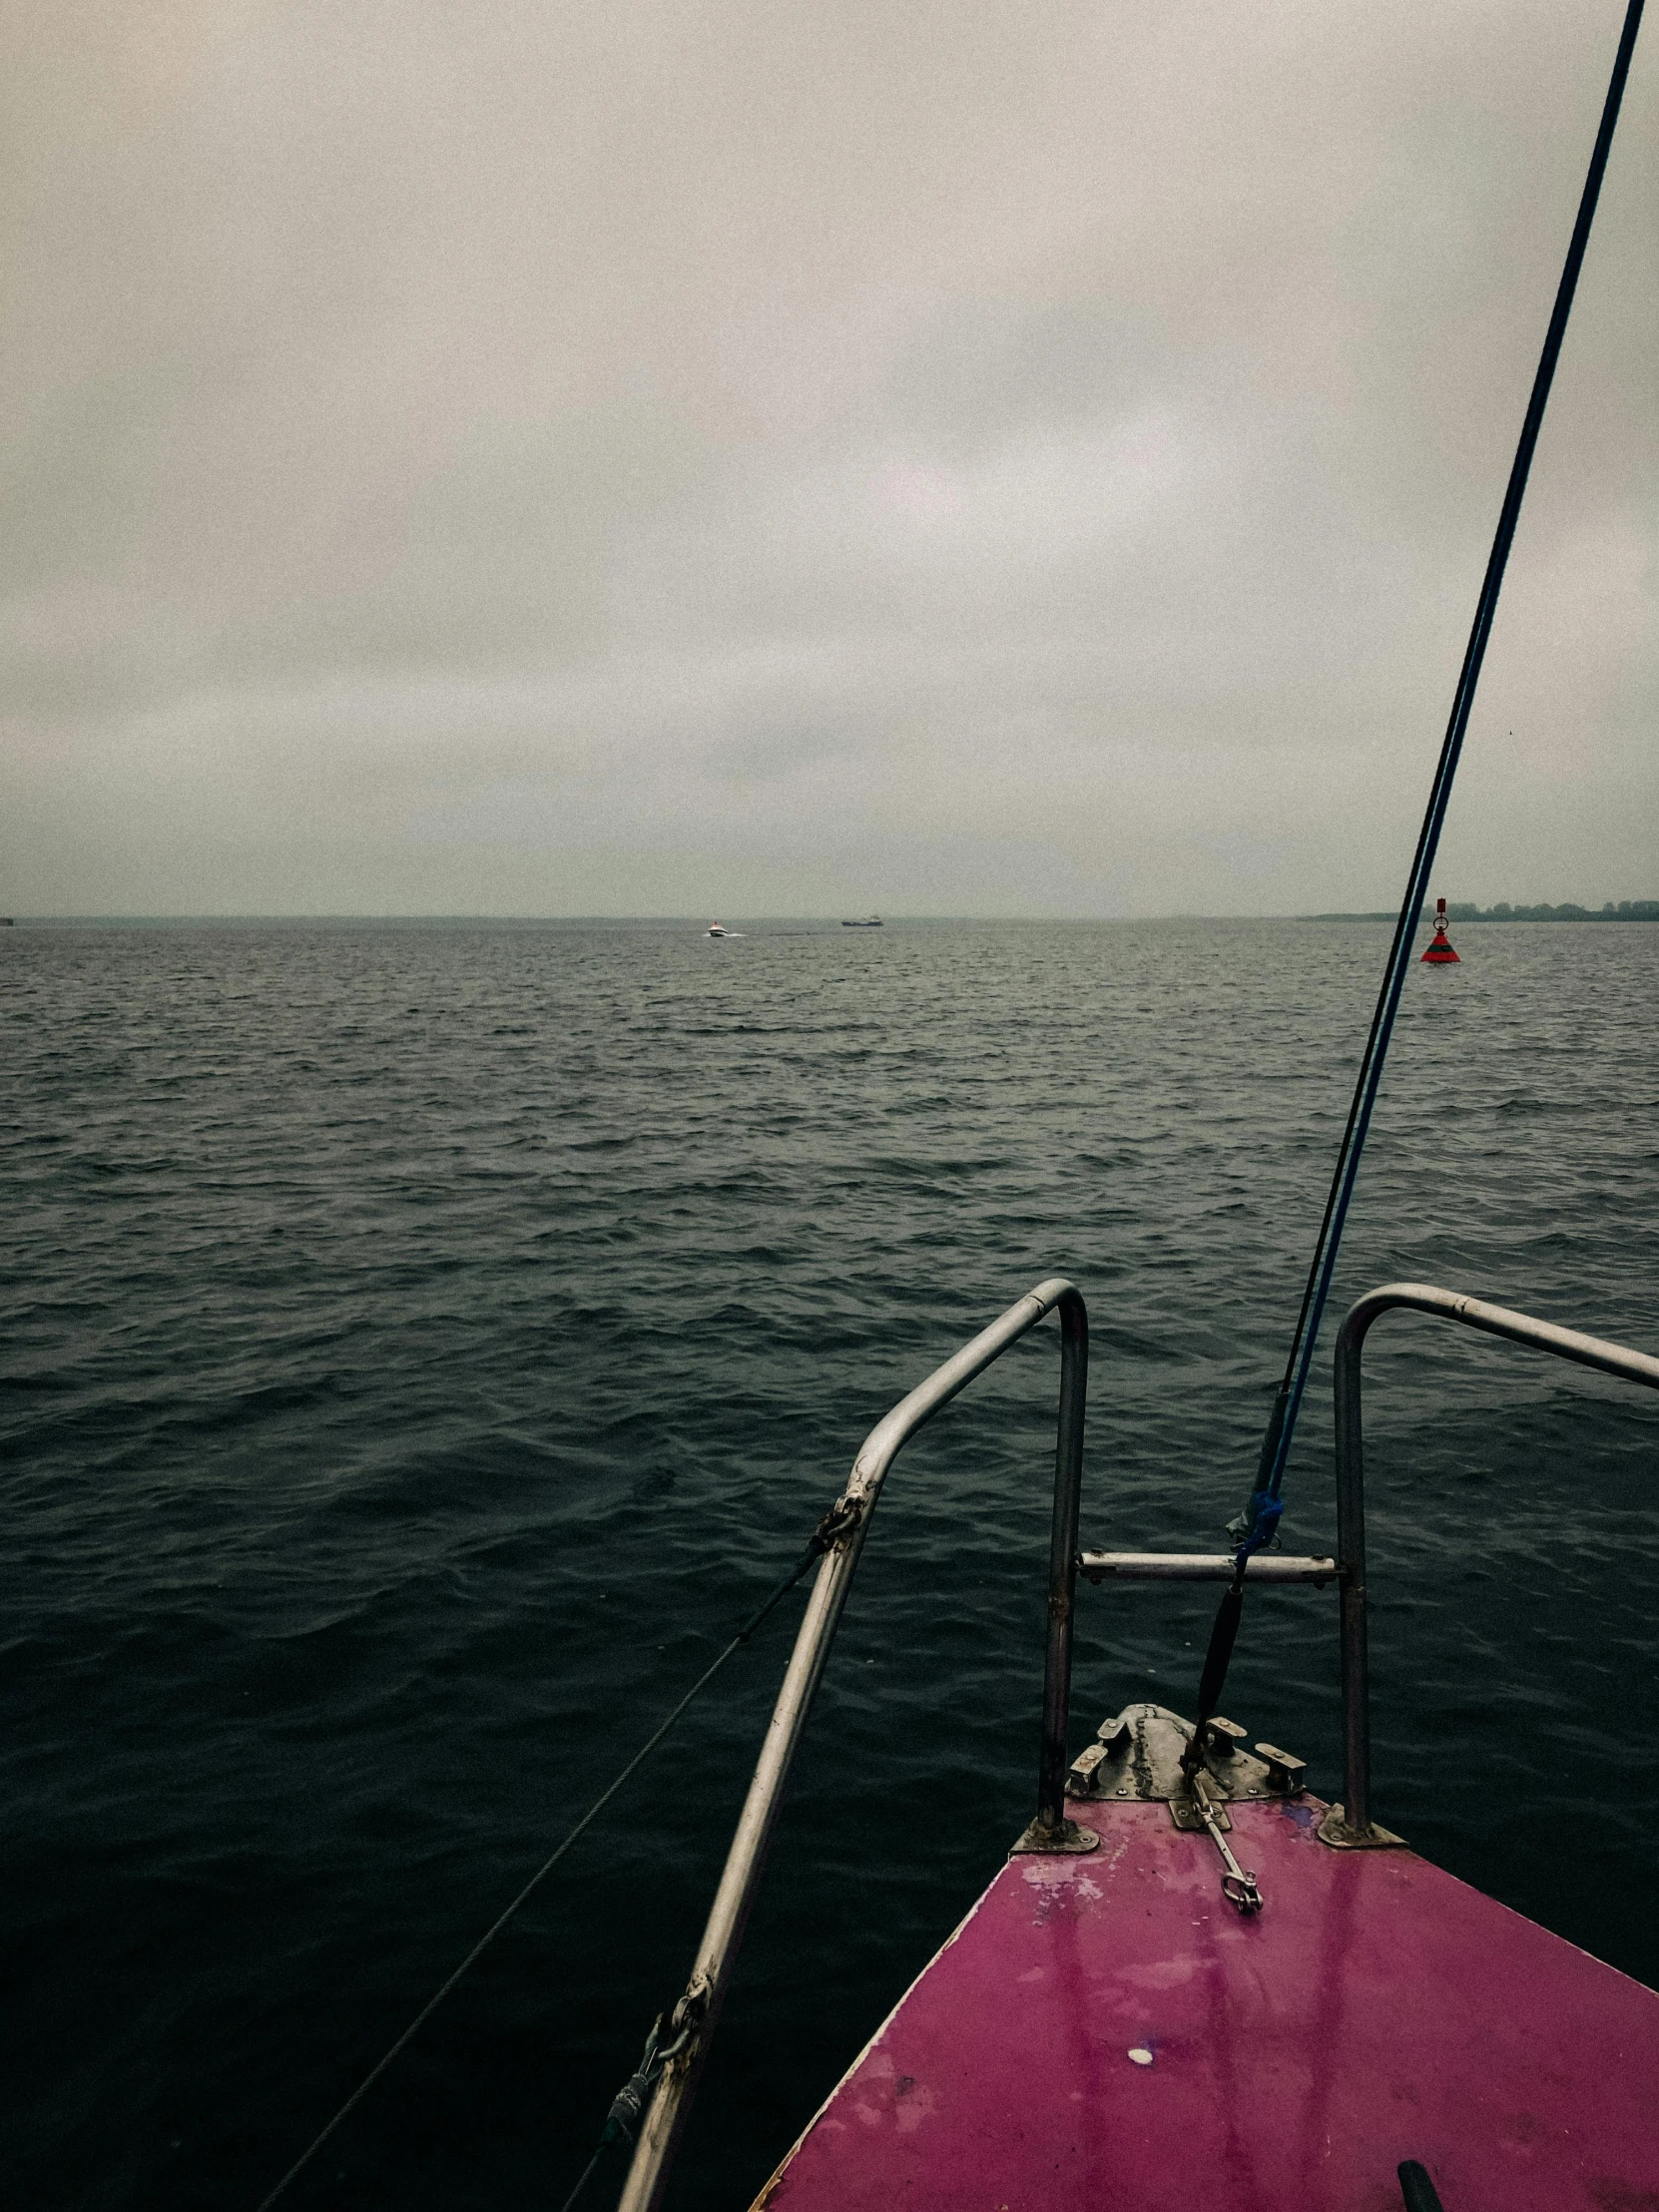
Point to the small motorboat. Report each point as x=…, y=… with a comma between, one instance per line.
x=870, y=922
x=718, y=929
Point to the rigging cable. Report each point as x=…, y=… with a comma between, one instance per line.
x=1257, y=1524
x=826, y=1535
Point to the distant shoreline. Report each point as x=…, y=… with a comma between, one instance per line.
x=1627, y=909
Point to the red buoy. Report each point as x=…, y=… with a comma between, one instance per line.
x=1440, y=952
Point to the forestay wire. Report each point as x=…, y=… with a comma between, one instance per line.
x=1257, y=1524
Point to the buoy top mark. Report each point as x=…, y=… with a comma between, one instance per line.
x=1439, y=953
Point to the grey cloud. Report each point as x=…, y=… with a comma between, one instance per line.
x=953, y=458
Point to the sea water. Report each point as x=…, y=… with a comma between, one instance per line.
x=425, y=1343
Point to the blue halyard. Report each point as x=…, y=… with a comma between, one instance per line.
x=1259, y=1523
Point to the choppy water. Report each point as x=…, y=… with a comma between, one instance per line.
x=424, y=1343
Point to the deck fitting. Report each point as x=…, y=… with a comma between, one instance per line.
x=1143, y=1748
x=1284, y=1773
x=1185, y=1812
x=1067, y=1837
x=1083, y=1779
x=1335, y=1831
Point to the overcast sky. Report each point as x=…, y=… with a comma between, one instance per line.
x=945, y=457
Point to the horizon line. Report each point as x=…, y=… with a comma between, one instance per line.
x=1025, y=919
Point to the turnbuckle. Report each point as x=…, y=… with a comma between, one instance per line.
x=1238, y=1886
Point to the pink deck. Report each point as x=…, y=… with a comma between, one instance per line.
x=1377, y=2009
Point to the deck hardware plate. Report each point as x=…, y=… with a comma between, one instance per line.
x=1144, y=1746
x=1335, y=1831
x=1068, y=1836
x=1184, y=1813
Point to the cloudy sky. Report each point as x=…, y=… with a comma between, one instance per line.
x=794, y=456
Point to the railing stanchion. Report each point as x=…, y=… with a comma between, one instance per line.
x=1063, y=1562
x=1356, y=1825
x=1351, y=1568
x=692, y=2021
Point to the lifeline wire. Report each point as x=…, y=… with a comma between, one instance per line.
x=815, y=1552
x=588, y=2171
x=1260, y=1517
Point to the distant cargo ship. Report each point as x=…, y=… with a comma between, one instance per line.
x=870, y=921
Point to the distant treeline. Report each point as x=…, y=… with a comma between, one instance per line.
x=1626, y=910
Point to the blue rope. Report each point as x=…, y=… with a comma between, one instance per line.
x=1260, y=1519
